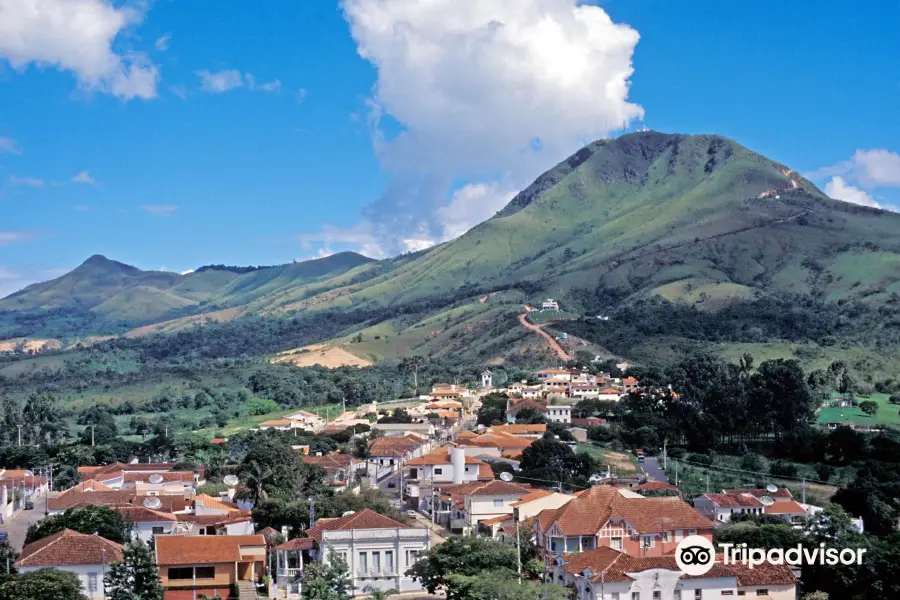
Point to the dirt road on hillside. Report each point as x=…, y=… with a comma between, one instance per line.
x=538, y=329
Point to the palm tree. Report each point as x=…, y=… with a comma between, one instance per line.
x=256, y=476
x=378, y=594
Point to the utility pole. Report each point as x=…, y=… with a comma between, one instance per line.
x=676, y=472
x=803, y=487
x=92, y=436
x=20, y=434
x=518, y=544
x=665, y=455
x=707, y=483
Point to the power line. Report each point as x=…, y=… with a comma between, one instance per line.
x=769, y=475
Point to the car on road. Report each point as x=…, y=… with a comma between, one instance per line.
x=412, y=513
x=29, y=505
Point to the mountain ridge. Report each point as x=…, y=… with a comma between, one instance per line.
x=693, y=218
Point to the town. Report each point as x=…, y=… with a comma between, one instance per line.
x=444, y=475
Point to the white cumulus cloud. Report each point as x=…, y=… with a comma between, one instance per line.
x=871, y=168
x=84, y=177
x=223, y=81
x=839, y=189
x=484, y=92
x=77, y=36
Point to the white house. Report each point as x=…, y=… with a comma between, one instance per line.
x=549, y=304
x=482, y=501
x=87, y=556
x=307, y=420
x=147, y=522
x=611, y=393
x=378, y=551
x=487, y=379
x=721, y=507
x=559, y=413
x=442, y=466
x=607, y=574
x=535, y=501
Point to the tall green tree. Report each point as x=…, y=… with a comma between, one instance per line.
x=136, y=577
x=467, y=556
x=328, y=581
x=271, y=468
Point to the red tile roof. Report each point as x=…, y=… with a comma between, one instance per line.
x=297, y=544
x=440, y=456
x=593, y=508
x=393, y=446
x=142, y=514
x=169, y=477
x=611, y=566
x=784, y=507
x=91, y=485
x=655, y=485
x=203, y=549
x=364, y=519
x=537, y=406
x=734, y=500
x=760, y=492
x=68, y=548
x=533, y=495
x=519, y=429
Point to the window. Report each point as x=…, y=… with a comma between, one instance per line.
x=438, y=471
x=376, y=562
x=667, y=537
x=698, y=594
x=692, y=532
x=411, y=557
x=647, y=541
x=158, y=531
x=679, y=535
x=92, y=582
x=728, y=592
x=389, y=561
x=762, y=592
x=656, y=595
x=363, y=562
x=615, y=596
x=616, y=543
x=742, y=593
x=635, y=596
x=677, y=595
x=181, y=573
x=206, y=572
x=498, y=502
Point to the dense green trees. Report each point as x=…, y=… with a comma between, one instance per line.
x=101, y=520
x=493, y=409
x=548, y=462
x=42, y=584
x=466, y=556
x=271, y=468
x=329, y=580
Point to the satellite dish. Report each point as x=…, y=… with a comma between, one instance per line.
x=153, y=502
x=348, y=513
x=156, y=478
x=771, y=488
x=767, y=500
x=506, y=476
x=230, y=480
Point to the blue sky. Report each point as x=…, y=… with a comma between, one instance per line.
x=170, y=134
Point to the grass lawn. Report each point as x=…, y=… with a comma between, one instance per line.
x=888, y=414
x=624, y=464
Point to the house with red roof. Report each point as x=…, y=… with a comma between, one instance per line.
x=377, y=550
x=439, y=468
x=604, y=573
x=88, y=557
x=216, y=565
x=620, y=519
x=722, y=507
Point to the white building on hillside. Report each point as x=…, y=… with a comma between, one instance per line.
x=378, y=552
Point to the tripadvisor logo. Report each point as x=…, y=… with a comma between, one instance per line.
x=695, y=555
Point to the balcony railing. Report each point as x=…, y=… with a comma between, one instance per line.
x=289, y=572
x=383, y=572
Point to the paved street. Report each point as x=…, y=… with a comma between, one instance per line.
x=17, y=526
x=438, y=533
x=653, y=470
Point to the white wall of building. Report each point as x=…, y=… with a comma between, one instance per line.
x=145, y=530
x=378, y=557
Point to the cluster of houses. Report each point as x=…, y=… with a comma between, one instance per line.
x=558, y=390
x=608, y=542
